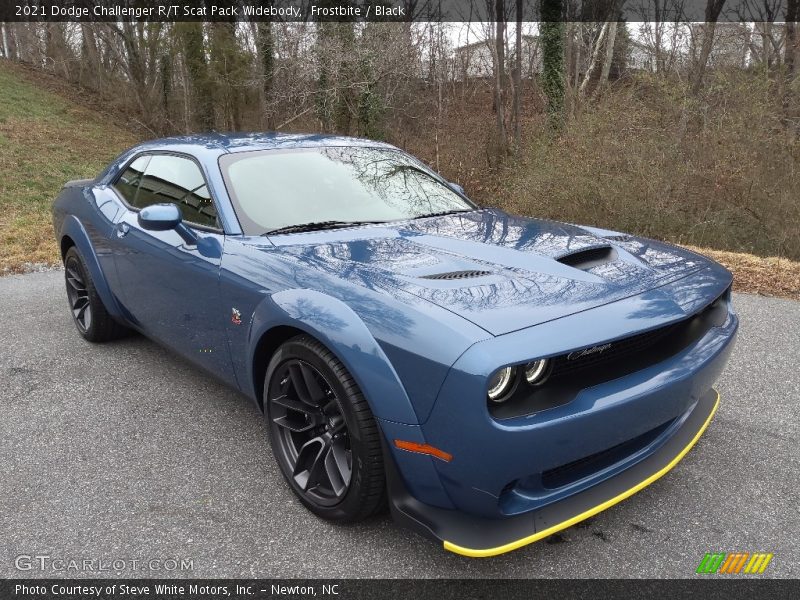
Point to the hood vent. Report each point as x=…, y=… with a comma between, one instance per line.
x=589, y=258
x=454, y=275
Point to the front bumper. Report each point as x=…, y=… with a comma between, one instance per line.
x=482, y=537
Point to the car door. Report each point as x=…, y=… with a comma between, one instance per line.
x=170, y=286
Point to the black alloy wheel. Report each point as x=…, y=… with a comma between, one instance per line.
x=88, y=311
x=322, y=432
x=312, y=430
x=78, y=294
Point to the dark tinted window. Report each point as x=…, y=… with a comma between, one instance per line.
x=128, y=183
x=175, y=179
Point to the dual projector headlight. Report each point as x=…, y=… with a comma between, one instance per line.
x=502, y=382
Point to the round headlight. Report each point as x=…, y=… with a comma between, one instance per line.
x=500, y=384
x=535, y=371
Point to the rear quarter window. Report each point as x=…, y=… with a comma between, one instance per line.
x=128, y=184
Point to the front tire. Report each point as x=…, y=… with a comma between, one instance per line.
x=322, y=432
x=88, y=311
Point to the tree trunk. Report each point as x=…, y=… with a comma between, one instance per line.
x=6, y=51
x=226, y=66
x=713, y=9
x=552, y=44
x=518, y=78
x=165, y=73
x=594, y=61
x=611, y=36
x=191, y=34
x=266, y=53
x=790, y=50
x=57, y=50
x=500, y=76
x=13, y=48
x=90, y=58
x=578, y=43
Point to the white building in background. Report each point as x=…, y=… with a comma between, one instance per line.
x=732, y=44
x=476, y=60
x=641, y=57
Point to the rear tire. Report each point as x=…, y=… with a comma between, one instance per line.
x=322, y=432
x=88, y=311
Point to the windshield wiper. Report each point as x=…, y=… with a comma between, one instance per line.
x=444, y=212
x=316, y=226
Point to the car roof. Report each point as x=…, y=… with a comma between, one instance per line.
x=242, y=142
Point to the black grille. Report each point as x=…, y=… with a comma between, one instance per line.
x=587, y=358
x=457, y=275
x=593, y=365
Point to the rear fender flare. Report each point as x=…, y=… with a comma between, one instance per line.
x=74, y=229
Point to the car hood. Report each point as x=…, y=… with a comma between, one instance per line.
x=502, y=273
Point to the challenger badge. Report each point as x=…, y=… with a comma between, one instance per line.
x=588, y=351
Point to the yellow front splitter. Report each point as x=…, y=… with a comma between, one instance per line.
x=659, y=464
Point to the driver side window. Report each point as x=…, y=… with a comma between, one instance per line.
x=169, y=178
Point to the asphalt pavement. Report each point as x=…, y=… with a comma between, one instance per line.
x=125, y=452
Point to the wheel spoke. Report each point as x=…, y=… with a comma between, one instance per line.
x=305, y=384
x=336, y=466
x=295, y=425
x=308, y=466
x=293, y=404
x=73, y=274
x=315, y=391
x=79, y=306
x=75, y=284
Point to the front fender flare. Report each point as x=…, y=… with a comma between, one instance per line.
x=343, y=332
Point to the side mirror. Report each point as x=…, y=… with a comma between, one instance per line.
x=457, y=188
x=160, y=217
x=164, y=217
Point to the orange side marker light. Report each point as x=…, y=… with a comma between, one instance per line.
x=423, y=449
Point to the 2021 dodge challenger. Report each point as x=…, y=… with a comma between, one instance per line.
x=493, y=378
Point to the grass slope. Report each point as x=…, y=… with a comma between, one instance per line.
x=45, y=140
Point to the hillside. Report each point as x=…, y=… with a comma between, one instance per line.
x=45, y=140
x=50, y=133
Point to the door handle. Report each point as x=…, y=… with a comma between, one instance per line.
x=122, y=229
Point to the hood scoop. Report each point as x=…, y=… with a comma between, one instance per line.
x=456, y=275
x=589, y=258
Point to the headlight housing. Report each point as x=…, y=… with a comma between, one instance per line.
x=536, y=371
x=500, y=384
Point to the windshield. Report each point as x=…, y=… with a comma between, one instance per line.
x=274, y=189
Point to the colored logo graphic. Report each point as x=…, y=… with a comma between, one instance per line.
x=734, y=562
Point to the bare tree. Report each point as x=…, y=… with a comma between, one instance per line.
x=202, y=103
x=517, y=100
x=500, y=79
x=713, y=10
x=593, y=70
x=790, y=47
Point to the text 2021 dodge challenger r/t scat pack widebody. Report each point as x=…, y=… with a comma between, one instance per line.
x=494, y=378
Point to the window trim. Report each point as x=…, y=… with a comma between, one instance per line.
x=151, y=153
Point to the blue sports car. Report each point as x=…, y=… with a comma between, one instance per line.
x=492, y=378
